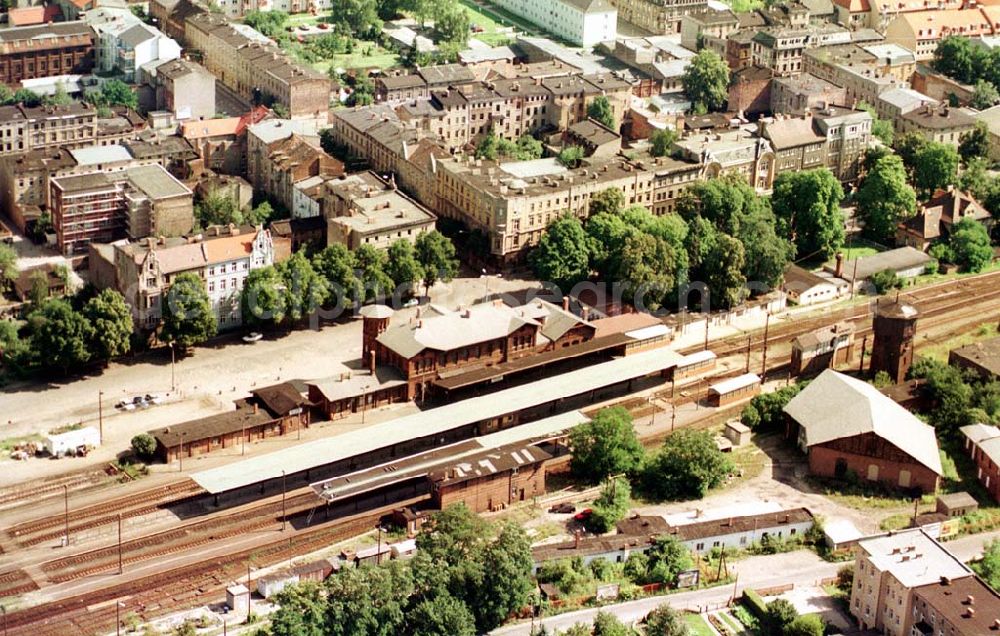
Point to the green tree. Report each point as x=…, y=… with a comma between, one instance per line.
x=503, y=585
x=668, y=557
x=885, y=198
x=907, y=146
x=188, y=318
x=371, y=263
x=765, y=412
x=59, y=97
x=970, y=244
x=60, y=336
x=976, y=180
x=562, y=256
x=881, y=128
x=779, y=615
x=706, y=81
x=335, y=264
x=269, y=23
x=262, y=214
x=451, y=23
x=662, y=142
x=666, y=621
x=528, y=148
x=403, y=267
x=144, y=446
x=947, y=390
x=305, y=290
x=936, y=167
x=39, y=290
x=360, y=17
x=885, y=280
x=441, y=615
x=600, y=110
x=115, y=93
x=362, y=92
x=217, y=208
x=607, y=624
x=436, y=254
x=605, y=446
x=8, y=267
x=807, y=207
x=989, y=566
x=984, y=96
x=686, y=466
x=112, y=322
x=611, y=505
x=723, y=272
x=570, y=156
x=610, y=201
x=263, y=300
x=807, y=625
x=487, y=148
x=26, y=97
x=956, y=57
x=644, y=267
x=975, y=143
x=368, y=601
x=300, y=612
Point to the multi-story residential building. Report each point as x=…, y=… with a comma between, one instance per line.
x=860, y=73
x=107, y=206
x=894, y=103
x=888, y=572
x=292, y=160
x=582, y=22
x=848, y=132
x=892, y=60
x=736, y=151
x=697, y=26
x=942, y=123
x=659, y=17
x=797, y=144
x=25, y=128
x=261, y=135
x=670, y=178
x=920, y=31
x=363, y=209
x=780, y=49
x=853, y=14
x=797, y=94
x=883, y=12
x=125, y=43
x=61, y=48
x=184, y=88
x=657, y=58
x=258, y=70
x=954, y=608
x=221, y=257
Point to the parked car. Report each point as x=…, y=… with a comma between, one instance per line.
x=413, y=302
x=252, y=337
x=125, y=405
x=564, y=508
x=154, y=398
x=140, y=401
x=583, y=515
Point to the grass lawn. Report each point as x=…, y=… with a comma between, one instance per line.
x=939, y=350
x=698, y=625
x=728, y=619
x=492, y=18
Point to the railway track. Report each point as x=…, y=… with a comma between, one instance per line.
x=141, y=503
x=33, y=492
x=15, y=583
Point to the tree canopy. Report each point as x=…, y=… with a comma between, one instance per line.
x=188, y=317
x=935, y=167
x=885, y=198
x=807, y=207
x=662, y=142
x=60, y=337
x=600, y=110
x=975, y=144
x=562, y=256
x=436, y=254
x=611, y=506
x=605, y=446
x=706, y=81
x=111, y=320
x=970, y=245
x=686, y=466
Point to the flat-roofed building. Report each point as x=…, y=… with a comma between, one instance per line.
x=797, y=94
x=105, y=206
x=582, y=22
x=363, y=209
x=46, y=50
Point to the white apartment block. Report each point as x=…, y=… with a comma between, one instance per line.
x=125, y=42
x=582, y=22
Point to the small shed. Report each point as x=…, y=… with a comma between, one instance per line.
x=268, y=586
x=238, y=598
x=403, y=549
x=737, y=432
x=734, y=389
x=841, y=534
x=956, y=504
x=61, y=444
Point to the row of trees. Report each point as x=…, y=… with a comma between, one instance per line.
x=219, y=208
x=724, y=235
x=63, y=335
x=467, y=577
x=294, y=289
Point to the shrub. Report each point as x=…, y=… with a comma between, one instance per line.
x=144, y=445
x=754, y=603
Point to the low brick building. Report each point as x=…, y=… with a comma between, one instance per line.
x=45, y=50
x=846, y=425
x=822, y=349
x=491, y=480
x=733, y=390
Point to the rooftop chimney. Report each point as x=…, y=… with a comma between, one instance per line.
x=565, y=303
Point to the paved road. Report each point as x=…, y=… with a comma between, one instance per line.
x=803, y=568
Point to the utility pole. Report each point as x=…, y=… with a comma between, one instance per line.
x=243, y=439
x=3, y=610
x=707, y=317
x=364, y=401
x=118, y=617
x=100, y=416
x=173, y=385
x=378, y=554
x=864, y=345
x=673, y=416
x=282, y=501
x=763, y=363
x=749, y=340
x=120, y=570
x=66, y=511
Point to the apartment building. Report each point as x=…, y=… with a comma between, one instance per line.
x=697, y=26
x=659, y=17
x=255, y=69
x=848, y=132
x=920, y=31
x=290, y=161
x=221, y=257
x=780, y=49
x=937, y=123
x=364, y=209
x=582, y=22
x=61, y=48
x=125, y=43
x=888, y=572
x=182, y=87
x=104, y=206
x=797, y=144
x=25, y=128
x=739, y=151
x=883, y=12
x=795, y=95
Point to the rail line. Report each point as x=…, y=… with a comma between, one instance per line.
x=141, y=503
